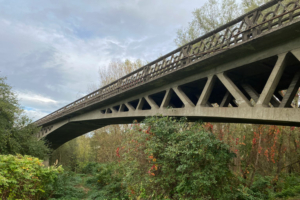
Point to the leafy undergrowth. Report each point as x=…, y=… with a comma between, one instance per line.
x=72, y=186
x=75, y=186
x=167, y=158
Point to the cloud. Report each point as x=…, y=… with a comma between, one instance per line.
x=34, y=98
x=51, y=51
x=34, y=114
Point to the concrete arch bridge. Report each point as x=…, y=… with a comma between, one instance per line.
x=235, y=73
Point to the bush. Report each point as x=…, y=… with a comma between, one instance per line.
x=68, y=186
x=260, y=189
x=25, y=177
x=289, y=186
x=109, y=182
x=170, y=158
x=91, y=168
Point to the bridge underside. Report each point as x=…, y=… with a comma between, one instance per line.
x=95, y=120
x=261, y=91
x=254, y=82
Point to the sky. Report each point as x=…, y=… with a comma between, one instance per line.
x=52, y=50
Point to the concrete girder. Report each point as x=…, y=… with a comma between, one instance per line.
x=151, y=102
x=203, y=100
x=254, y=95
x=272, y=82
x=130, y=107
x=226, y=100
x=240, y=98
x=166, y=98
x=48, y=129
x=94, y=120
x=291, y=91
x=182, y=96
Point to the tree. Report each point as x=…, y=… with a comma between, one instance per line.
x=17, y=132
x=117, y=69
x=210, y=16
x=213, y=14
x=174, y=159
x=110, y=137
x=249, y=5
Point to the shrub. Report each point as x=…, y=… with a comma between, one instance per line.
x=170, y=158
x=68, y=186
x=289, y=186
x=25, y=177
x=109, y=182
x=91, y=168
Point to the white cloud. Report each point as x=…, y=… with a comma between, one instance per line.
x=34, y=97
x=35, y=114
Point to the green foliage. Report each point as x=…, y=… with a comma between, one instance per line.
x=177, y=160
x=67, y=186
x=208, y=17
x=24, y=177
x=262, y=186
x=91, y=168
x=17, y=132
x=8, y=105
x=289, y=186
x=109, y=181
x=289, y=192
x=212, y=15
x=245, y=193
x=261, y=189
x=249, y=5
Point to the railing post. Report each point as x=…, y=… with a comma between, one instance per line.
x=186, y=58
x=120, y=85
x=146, y=72
x=251, y=21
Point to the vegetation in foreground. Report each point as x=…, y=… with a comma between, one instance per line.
x=161, y=158
x=25, y=177
x=166, y=158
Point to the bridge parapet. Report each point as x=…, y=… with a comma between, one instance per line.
x=263, y=20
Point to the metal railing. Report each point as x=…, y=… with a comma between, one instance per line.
x=263, y=19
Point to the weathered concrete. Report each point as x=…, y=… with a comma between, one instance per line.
x=226, y=100
x=273, y=81
x=203, y=100
x=291, y=91
x=241, y=99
